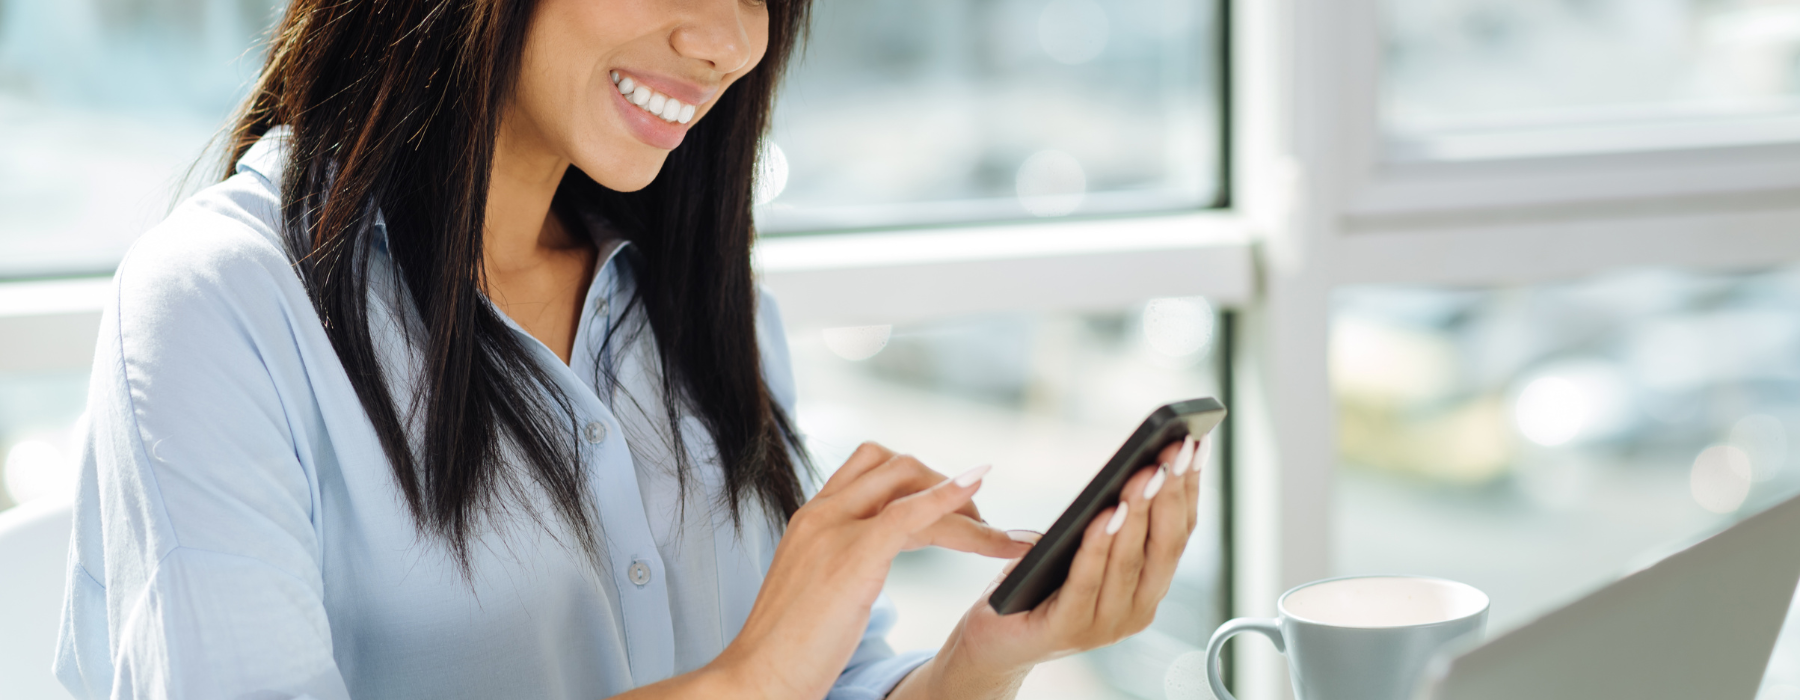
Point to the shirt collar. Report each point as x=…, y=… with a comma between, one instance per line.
x=267, y=156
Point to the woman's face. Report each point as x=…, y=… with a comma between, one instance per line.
x=676, y=56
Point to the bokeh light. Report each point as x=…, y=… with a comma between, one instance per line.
x=1186, y=678
x=857, y=343
x=37, y=469
x=1552, y=410
x=1178, y=327
x=1720, y=479
x=1379, y=363
x=771, y=173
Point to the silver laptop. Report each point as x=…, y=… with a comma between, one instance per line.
x=1700, y=623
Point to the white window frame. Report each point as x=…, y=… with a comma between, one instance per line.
x=841, y=279
x=884, y=278
x=1681, y=166
x=1337, y=210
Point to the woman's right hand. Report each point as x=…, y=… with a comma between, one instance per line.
x=831, y=563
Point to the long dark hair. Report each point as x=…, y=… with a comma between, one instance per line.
x=394, y=108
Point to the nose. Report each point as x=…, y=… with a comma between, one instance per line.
x=727, y=34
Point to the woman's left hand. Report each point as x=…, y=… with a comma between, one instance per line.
x=1112, y=591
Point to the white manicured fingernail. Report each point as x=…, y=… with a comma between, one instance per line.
x=1118, y=519
x=1026, y=536
x=968, y=478
x=1155, y=484
x=1185, y=458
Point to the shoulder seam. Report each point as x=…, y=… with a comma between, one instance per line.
x=131, y=410
x=157, y=569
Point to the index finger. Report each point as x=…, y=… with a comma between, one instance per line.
x=871, y=455
x=898, y=477
x=910, y=514
x=868, y=455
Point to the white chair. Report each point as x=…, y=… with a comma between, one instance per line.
x=34, y=551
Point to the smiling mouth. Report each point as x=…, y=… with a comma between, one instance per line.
x=657, y=104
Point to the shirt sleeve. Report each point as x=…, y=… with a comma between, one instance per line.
x=194, y=572
x=874, y=668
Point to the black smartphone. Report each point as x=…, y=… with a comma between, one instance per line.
x=1044, y=568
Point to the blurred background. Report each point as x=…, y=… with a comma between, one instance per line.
x=1532, y=436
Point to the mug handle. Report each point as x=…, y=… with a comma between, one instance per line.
x=1266, y=626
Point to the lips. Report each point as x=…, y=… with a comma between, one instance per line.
x=657, y=104
x=656, y=109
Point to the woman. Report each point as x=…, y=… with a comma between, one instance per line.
x=458, y=385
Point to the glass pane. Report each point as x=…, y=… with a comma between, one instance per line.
x=1480, y=66
x=1046, y=399
x=104, y=105
x=900, y=113
x=1536, y=442
x=932, y=111
x=38, y=411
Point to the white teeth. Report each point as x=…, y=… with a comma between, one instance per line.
x=663, y=106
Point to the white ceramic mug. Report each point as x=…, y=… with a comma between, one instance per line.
x=1360, y=637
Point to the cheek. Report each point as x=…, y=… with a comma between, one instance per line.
x=557, y=65
x=759, y=37
x=565, y=87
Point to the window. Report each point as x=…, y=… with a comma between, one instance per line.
x=1538, y=441
x=951, y=111
x=1451, y=166
x=38, y=410
x=1045, y=398
x=104, y=106
x=1477, y=78
x=50, y=329
x=899, y=114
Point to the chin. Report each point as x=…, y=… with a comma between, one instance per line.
x=633, y=180
x=630, y=173
x=631, y=184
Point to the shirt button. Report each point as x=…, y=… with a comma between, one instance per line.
x=602, y=309
x=640, y=573
x=594, y=432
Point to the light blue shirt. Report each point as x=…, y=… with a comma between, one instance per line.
x=239, y=534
